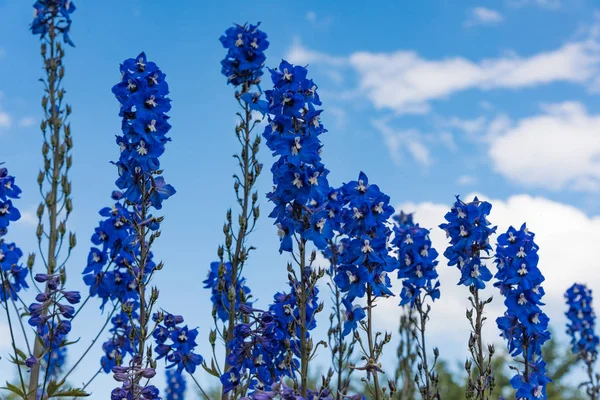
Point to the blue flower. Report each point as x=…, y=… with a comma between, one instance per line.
x=176, y=385
x=219, y=282
x=176, y=343
x=524, y=324
x=142, y=93
x=417, y=261
x=469, y=232
x=354, y=314
x=245, y=57
x=582, y=322
x=53, y=12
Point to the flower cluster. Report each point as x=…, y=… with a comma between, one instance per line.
x=469, y=232
x=56, y=13
x=131, y=376
x=300, y=179
x=417, y=261
x=176, y=343
x=176, y=385
x=142, y=93
x=524, y=324
x=582, y=322
x=122, y=341
x=219, y=282
x=111, y=269
x=245, y=57
x=262, y=347
x=50, y=315
x=13, y=275
x=363, y=259
x=281, y=390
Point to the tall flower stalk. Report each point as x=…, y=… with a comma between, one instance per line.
x=53, y=19
x=469, y=232
x=300, y=188
x=243, y=67
x=419, y=287
x=582, y=330
x=524, y=325
x=142, y=93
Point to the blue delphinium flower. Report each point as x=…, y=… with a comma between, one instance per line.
x=417, y=261
x=53, y=12
x=176, y=343
x=582, y=330
x=469, y=232
x=299, y=177
x=8, y=190
x=142, y=93
x=363, y=258
x=219, y=282
x=524, y=324
x=132, y=376
x=582, y=322
x=245, y=57
x=261, y=347
x=176, y=385
x=52, y=312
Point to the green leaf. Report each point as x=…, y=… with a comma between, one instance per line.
x=70, y=392
x=14, y=389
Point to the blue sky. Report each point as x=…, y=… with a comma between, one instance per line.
x=430, y=99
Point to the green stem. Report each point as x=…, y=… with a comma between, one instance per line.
x=372, y=355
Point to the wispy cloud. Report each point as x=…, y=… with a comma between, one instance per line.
x=5, y=120
x=483, y=16
x=26, y=122
x=405, y=82
x=544, y=4
x=557, y=149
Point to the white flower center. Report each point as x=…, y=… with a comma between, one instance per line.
x=463, y=231
x=239, y=42
x=536, y=319
x=142, y=150
x=296, y=146
x=408, y=239
x=287, y=75
x=96, y=257
x=313, y=180
x=4, y=209
x=152, y=126
x=131, y=85
x=378, y=208
x=366, y=248
x=321, y=224
x=523, y=270
x=419, y=272
x=357, y=213
x=407, y=260
x=522, y=300
x=297, y=182
x=151, y=101
x=461, y=214
x=521, y=253
x=254, y=44
x=351, y=277
x=361, y=186
x=511, y=237
x=475, y=273
x=425, y=251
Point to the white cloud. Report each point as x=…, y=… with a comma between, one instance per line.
x=470, y=126
x=465, y=180
x=565, y=236
x=311, y=17
x=483, y=16
x=5, y=120
x=557, y=149
x=400, y=141
x=26, y=122
x=406, y=82
x=546, y=4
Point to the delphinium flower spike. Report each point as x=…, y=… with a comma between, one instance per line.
x=469, y=232
x=363, y=263
x=142, y=93
x=524, y=325
x=52, y=19
x=582, y=330
x=419, y=282
x=300, y=187
x=243, y=67
x=13, y=276
x=176, y=385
